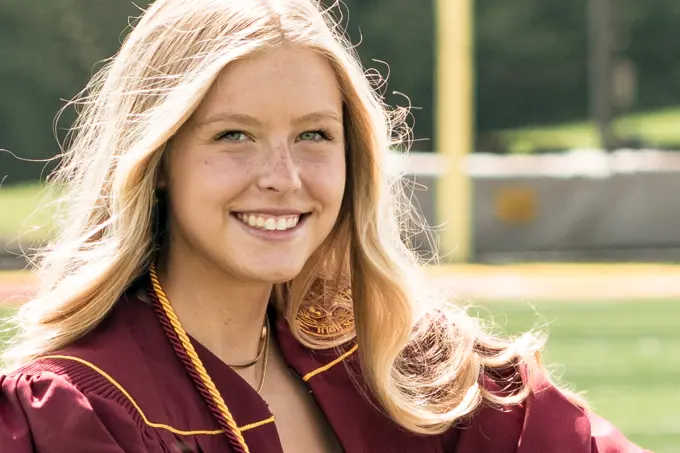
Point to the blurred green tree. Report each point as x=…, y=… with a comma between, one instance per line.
x=48, y=51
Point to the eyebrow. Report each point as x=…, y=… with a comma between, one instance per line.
x=252, y=121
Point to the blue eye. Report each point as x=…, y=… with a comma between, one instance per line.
x=316, y=136
x=232, y=136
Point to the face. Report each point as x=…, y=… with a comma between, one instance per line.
x=256, y=177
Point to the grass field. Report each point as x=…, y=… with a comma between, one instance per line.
x=21, y=213
x=5, y=330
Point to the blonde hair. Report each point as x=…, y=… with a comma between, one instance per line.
x=422, y=357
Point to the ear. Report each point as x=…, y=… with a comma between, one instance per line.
x=162, y=179
x=162, y=174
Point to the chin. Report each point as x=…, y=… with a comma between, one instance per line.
x=276, y=275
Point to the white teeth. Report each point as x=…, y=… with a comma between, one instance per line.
x=270, y=224
x=279, y=223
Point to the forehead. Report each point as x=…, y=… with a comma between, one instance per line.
x=287, y=81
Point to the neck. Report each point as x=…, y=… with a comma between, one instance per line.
x=222, y=313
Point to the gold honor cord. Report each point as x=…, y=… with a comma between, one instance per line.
x=196, y=361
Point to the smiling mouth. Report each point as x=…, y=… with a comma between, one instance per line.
x=268, y=222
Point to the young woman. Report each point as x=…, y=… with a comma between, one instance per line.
x=230, y=275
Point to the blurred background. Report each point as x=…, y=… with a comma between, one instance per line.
x=544, y=155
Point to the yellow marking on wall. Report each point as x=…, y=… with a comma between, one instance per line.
x=516, y=205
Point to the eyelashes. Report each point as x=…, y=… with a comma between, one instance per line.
x=323, y=133
x=314, y=135
x=225, y=134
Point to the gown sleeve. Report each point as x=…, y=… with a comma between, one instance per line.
x=550, y=418
x=45, y=413
x=547, y=422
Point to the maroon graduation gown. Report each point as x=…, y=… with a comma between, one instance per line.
x=122, y=389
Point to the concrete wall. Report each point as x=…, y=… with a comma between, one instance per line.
x=628, y=212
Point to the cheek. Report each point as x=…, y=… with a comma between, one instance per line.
x=327, y=181
x=199, y=186
x=207, y=176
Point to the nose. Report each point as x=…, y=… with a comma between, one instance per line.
x=279, y=172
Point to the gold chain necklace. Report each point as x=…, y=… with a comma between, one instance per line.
x=263, y=349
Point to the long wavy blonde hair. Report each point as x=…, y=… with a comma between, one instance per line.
x=422, y=357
